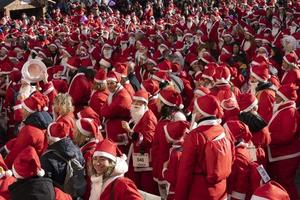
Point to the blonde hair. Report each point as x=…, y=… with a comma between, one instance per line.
x=64, y=101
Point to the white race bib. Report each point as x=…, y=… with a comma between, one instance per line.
x=264, y=175
x=140, y=160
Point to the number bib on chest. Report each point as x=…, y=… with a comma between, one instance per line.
x=140, y=160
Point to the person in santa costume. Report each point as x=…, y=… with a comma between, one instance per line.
x=291, y=72
x=35, y=121
x=6, y=179
x=272, y=191
x=100, y=92
x=82, y=82
x=116, y=109
x=262, y=89
x=63, y=112
x=143, y=123
x=87, y=137
x=30, y=182
x=284, y=149
x=122, y=70
x=169, y=104
x=60, y=149
x=152, y=87
x=200, y=161
x=260, y=132
x=244, y=165
x=108, y=181
x=175, y=133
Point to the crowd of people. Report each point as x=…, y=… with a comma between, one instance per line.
x=199, y=101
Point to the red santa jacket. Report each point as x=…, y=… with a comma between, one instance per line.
x=144, y=131
x=160, y=151
x=191, y=169
x=292, y=76
x=152, y=105
x=265, y=98
x=119, y=188
x=49, y=91
x=98, y=99
x=115, y=110
x=28, y=136
x=80, y=91
x=61, y=86
x=244, y=177
x=170, y=171
x=283, y=127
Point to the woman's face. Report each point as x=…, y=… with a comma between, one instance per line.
x=100, y=164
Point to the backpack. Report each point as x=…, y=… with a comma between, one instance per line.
x=218, y=156
x=75, y=183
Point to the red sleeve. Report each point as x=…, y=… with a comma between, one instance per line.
x=147, y=134
x=125, y=189
x=170, y=173
x=186, y=166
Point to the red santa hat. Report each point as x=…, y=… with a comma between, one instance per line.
x=108, y=149
x=207, y=58
x=246, y=102
x=161, y=76
x=201, y=91
x=209, y=71
x=36, y=102
x=261, y=73
x=141, y=95
x=113, y=76
x=238, y=130
x=230, y=104
x=57, y=131
x=208, y=105
x=5, y=171
x=174, y=131
x=270, y=190
x=27, y=164
x=170, y=97
x=288, y=92
x=291, y=59
x=151, y=86
x=100, y=76
x=222, y=75
x=88, y=112
x=73, y=62
x=88, y=127
x=164, y=66
x=121, y=69
x=191, y=59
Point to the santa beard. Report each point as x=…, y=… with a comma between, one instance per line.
x=96, y=187
x=137, y=112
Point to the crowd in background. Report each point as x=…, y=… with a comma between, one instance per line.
x=151, y=99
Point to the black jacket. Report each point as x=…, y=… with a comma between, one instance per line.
x=35, y=188
x=54, y=166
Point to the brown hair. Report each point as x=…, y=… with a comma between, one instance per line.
x=64, y=101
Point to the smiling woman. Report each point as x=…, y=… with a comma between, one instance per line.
x=109, y=167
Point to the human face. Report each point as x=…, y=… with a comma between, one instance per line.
x=252, y=79
x=112, y=86
x=100, y=164
x=159, y=105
